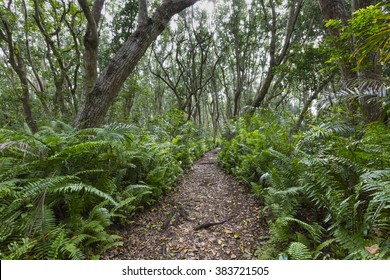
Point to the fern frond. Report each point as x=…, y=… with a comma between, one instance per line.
x=78, y=187
x=322, y=246
x=19, y=146
x=299, y=251
x=137, y=187
x=95, y=148
x=35, y=188
x=56, y=245
x=19, y=249
x=71, y=250
x=316, y=231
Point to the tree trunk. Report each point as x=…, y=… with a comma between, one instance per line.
x=336, y=9
x=277, y=59
x=26, y=103
x=215, y=110
x=91, y=43
x=98, y=101
x=18, y=65
x=373, y=70
x=59, y=102
x=358, y=4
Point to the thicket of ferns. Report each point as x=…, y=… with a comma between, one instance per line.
x=326, y=190
x=61, y=189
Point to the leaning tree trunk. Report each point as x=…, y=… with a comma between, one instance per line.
x=275, y=58
x=98, y=101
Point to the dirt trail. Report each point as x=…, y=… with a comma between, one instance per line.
x=204, y=195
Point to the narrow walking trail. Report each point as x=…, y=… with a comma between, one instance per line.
x=209, y=215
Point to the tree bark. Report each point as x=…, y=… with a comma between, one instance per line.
x=98, y=101
x=142, y=12
x=336, y=9
x=358, y=4
x=91, y=43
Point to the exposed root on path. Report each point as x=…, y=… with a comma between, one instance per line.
x=209, y=215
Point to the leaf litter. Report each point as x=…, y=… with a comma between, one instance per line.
x=228, y=214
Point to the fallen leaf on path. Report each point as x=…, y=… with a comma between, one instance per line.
x=242, y=248
x=372, y=249
x=207, y=194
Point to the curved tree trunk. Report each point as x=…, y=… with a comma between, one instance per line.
x=98, y=101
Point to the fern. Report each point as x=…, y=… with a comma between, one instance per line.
x=92, y=232
x=77, y=187
x=63, y=188
x=55, y=246
x=19, y=250
x=299, y=251
x=326, y=189
x=315, y=231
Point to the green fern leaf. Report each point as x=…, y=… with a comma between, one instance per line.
x=299, y=251
x=77, y=187
x=19, y=249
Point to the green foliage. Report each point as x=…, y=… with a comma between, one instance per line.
x=61, y=189
x=370, y=26
x=326, y=190
x=369, y=30
x=299, y=251
x=124, y=23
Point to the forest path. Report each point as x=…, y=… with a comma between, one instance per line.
x=205, y=194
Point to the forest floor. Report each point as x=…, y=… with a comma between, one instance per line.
x=203, y=196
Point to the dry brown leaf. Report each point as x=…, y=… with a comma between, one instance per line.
x=372, y=249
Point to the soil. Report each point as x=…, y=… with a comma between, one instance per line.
x=209, y=215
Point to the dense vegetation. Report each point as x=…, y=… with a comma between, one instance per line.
x=100, y=116
x=61, y=189
x=325, y=190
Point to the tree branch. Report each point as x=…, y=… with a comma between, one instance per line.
x=142, y=12
x=292, y=19
x=93, y=17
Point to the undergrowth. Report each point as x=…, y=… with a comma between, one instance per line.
x=61, y=189
x=326, y=190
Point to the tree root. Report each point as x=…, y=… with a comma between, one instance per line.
x=207, y=225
